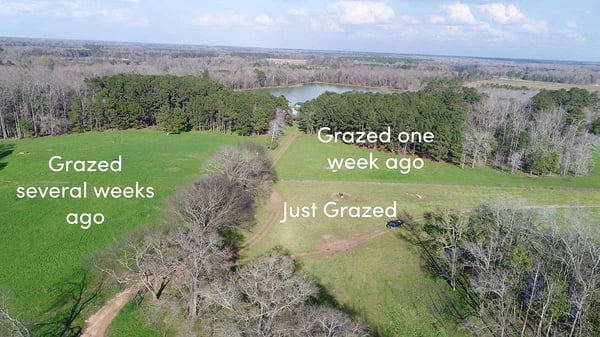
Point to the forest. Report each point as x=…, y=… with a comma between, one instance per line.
x=137, y=101
x=518, y=271
x=440, y=108
x=175, y=103
x=45, y=84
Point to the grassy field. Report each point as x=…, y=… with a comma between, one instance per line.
x=382, y=279
x=131, y=323
x=40, y=251
x=532, y=84
x=307, y=160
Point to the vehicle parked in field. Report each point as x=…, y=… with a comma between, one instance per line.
x=394, y=223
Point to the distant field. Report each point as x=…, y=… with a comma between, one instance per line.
x=288, y=61
x=532, y=84
x=39, y=250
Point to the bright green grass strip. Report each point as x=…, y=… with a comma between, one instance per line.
x=130, y=322
x=39, y=249
x=306, y=159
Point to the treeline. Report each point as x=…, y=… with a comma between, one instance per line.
x=52, y=103
x=553, y=133
x=553, y=76
x=189, y=271
x=441, y=108
x=517, y=272
x=175, y=103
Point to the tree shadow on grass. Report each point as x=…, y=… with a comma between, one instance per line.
x=446, y=304
x=73, y=297
x=5, y=150
x=327, y=299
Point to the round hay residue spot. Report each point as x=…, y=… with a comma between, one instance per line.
x=172, y=169
x=327, y=237
x=340, y=196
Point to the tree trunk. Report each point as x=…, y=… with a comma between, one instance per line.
x=537, y=271
x=3, y=124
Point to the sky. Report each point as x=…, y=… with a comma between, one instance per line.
x=537, y=29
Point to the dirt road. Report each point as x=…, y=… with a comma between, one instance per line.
x=99, y=322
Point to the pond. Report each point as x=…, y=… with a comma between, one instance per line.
x=301, y=94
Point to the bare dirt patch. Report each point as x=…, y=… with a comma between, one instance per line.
x=418, y=196
x=340, y=196
x=327, y=237
x=331, y=244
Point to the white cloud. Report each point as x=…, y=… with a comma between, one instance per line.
x=22, y=7
x=314, y=23
x=334, y=27
x=221, y=20
x=141, y=21
x=501, y=13
x=454, y=32
x=535, y=26
x=437, y=20
x=495, y=33
x=361, y=12
x=296, y=11
x=115, y=15
x=410, y=20
x=73, y=9
x=571, y=32
x=459, y=12
x=265, y=20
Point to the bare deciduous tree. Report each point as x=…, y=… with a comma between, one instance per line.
x=10, y=326
x=214, y=202
x=262, y=297
x=246, y=164
x=329, y=322
x=277, y=126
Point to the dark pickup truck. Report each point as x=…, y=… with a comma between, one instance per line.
x=394, y=223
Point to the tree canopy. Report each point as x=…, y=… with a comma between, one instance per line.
x=176, y=104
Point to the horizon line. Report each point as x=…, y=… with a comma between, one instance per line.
x=196, y=45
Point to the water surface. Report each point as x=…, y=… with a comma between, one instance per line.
x=307, y=92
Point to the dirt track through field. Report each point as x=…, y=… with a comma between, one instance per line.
x=98, y=323
x=275, y=208
x=284, y=147
x=275, y=202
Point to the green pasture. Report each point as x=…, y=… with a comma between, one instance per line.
x=40, y=251
x=306, y=159
x=383, y=280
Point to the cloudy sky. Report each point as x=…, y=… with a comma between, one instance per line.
x=544, y=29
